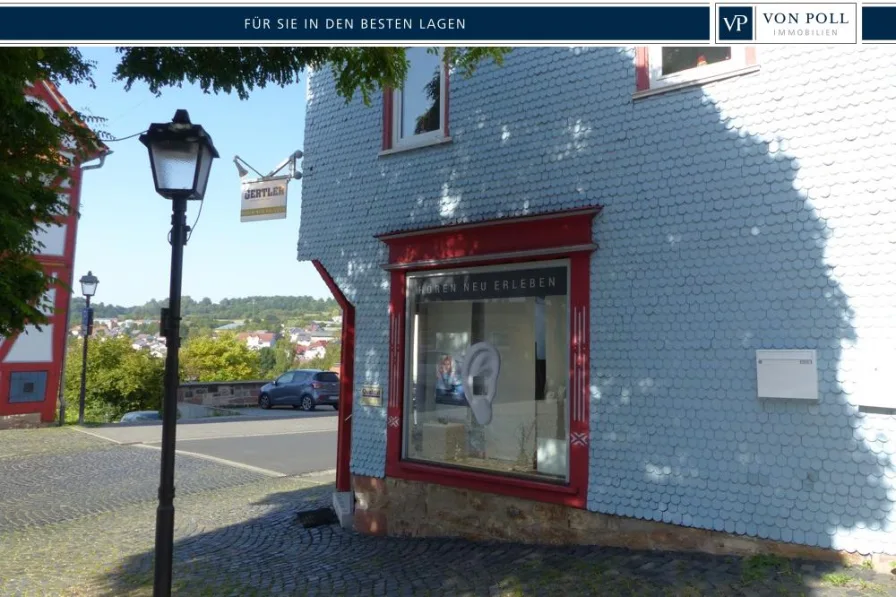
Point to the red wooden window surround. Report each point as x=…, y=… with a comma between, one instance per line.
x=642, y=65
x=527, y=239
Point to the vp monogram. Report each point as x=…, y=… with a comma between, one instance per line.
x=736, y=23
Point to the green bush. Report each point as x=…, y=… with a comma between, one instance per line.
x=225, y=358
x=119, y=380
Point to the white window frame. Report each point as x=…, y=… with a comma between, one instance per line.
x=399, y=142
x=693, y=76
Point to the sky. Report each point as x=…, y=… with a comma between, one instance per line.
x=122, y=233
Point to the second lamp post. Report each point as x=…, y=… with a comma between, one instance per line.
x=181, y=155
x=88, y=289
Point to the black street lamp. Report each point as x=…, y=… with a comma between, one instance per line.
x=181, y=155
x=88, y=289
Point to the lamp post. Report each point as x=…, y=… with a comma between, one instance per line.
x=180, y=154
x=88, y=289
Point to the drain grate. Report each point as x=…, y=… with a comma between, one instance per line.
x=316, y=518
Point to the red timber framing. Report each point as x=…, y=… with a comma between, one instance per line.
x=346, y=381
x=529, y=239
x=62, y=267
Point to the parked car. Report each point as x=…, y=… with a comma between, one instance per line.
x=141, y=416
x=301, y=388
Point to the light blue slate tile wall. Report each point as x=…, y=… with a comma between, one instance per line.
x=754, y=212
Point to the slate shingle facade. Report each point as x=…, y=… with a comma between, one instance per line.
x=753, y=212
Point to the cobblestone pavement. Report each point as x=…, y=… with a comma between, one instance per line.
x=50, y=488
x=20, y=444
x=237, y=536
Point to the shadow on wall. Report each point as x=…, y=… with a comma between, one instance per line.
x=710, y=248
x=718, y=251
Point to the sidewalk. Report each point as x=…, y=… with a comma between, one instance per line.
x=270, y=554
x=78, y=515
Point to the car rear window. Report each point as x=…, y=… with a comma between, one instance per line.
x=326, y=376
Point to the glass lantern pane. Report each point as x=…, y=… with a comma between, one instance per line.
x=88, y=288
x=205, y=165
x=175, y=164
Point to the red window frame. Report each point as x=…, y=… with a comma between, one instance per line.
x=389, y=113
x=558, y=235
x=642, y=65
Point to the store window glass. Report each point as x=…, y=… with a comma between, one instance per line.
x=487, y=363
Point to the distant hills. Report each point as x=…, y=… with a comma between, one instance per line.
x=269, y=310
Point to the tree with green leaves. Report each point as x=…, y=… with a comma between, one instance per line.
x=429, y=120
x=30, y=140
x=32, y=168
x=274, y=308
x=277, y=359
x=225, y=358
x=271, y=323
x=284, y=355
x=267, y=362
x=197, y=326
x=119, y=379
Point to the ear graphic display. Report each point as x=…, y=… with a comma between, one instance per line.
x=481, y=361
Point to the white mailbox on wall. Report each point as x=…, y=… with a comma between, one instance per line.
x=787, y=374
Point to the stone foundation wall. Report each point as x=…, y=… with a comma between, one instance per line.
x=411, y=508
x=24, y=421
x=220, y=393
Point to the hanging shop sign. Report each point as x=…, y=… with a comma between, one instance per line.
x=264, y=199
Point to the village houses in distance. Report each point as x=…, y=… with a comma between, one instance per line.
x=310, y=341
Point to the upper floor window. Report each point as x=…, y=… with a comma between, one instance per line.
x=417, y=113
x=666, y=67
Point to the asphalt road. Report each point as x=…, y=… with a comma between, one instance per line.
x=283, y=453
x=294, y=443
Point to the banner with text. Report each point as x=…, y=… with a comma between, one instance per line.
x=594, y=23
x=319, y=25
x=499, y=284
x=264, y=199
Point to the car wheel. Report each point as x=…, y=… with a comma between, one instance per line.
x=335, y=407
x=264, y=401
x=307, y=403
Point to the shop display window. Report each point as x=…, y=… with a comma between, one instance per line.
x=487, y=369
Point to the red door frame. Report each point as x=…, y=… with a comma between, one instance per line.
x=346, y=381
x=558, y=235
